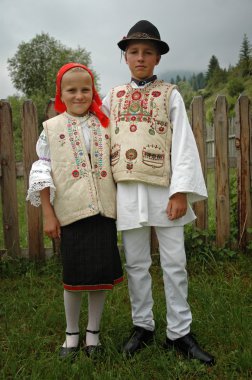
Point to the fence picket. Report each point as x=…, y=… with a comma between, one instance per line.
x=34, y=215
x=243, y=169
x=199, y=130
x=221, y=172
x=8, y=181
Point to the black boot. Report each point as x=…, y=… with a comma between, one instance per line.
x=189, y=347
x=138, y=339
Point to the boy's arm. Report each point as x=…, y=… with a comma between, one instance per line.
x=51, y=223
x=187, y=176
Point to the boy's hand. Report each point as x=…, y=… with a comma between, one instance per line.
x=177, y=206
x=51, y=226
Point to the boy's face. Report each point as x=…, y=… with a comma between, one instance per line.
x=142, y=57
x=76, y=92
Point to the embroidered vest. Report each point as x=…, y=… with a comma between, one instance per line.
x=82, y=190
x=141, y=133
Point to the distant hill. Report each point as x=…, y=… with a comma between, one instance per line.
x=169, y=74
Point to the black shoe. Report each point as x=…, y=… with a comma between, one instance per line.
x=189, y=347
x=139, y=338
x=69, y=352
x=93, y=351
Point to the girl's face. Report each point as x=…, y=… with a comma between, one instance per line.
x=76, y=92
x=142, y=57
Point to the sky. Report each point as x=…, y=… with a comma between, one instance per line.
x=194, y=29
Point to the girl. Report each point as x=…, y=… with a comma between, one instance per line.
x=72, y=181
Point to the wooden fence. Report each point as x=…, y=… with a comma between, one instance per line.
x=219, y=159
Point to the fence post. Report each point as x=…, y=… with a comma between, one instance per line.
x=221, y=172
x=34, y=215
x=199, y=131
x=50, y=110
x=8, y=182
x=243, y=145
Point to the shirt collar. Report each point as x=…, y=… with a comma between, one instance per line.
x=145, y=81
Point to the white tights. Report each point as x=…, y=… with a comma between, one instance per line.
x=72, y=303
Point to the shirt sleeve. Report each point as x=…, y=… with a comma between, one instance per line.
x=187, y=176
x=40, y=174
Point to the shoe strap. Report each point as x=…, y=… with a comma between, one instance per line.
x=92, y=331
x=73, y=333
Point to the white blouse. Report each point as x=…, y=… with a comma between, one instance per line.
x=140, y=204
x=40, y=175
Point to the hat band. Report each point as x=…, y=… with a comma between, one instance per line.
x=142, y=36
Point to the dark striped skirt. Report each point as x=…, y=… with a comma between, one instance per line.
x=90, y=256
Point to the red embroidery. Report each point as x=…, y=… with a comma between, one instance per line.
x=103, y=173
x=62, y=136
x=133, y=128
x=120, y=93
x=136, y=95
x=156, y=94
x=75, y=173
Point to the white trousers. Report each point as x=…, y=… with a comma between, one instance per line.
x=173, y=262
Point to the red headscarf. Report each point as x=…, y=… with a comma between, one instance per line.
x=96, y=102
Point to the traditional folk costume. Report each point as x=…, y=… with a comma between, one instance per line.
x=83, y=194
x=153, y=156
x=74, y=162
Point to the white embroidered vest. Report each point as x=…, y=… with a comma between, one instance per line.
x=82, y=190
x=141, y=133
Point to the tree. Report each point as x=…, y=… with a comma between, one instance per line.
x=245, y=58
x=212, y=67
x=215, y=75
x=34, y=66
x=235, y=87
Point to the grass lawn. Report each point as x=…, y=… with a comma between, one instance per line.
x=32, y=325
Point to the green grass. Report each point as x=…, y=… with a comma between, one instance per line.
x=32, y=325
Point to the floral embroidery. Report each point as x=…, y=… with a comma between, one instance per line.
x=131, y=154
x=78, y=152
x=136, y=95
x=156, y=94
x=140, y=106
x=133, y=128
x=120, y=93
x=75, y=173
x=98, y=148
x=62, y=139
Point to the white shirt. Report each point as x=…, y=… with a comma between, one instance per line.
x=140, y=204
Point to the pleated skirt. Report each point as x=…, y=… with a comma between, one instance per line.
x=90, y=256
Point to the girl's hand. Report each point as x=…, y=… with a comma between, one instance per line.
x=51, y=226
x=177, y=206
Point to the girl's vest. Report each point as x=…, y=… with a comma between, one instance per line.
x=141, y=133
x=82, y=190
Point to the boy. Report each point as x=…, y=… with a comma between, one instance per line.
x=156, y=165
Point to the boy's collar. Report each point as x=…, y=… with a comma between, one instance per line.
x=145, y=81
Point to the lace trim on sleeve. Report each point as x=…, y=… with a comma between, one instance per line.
x=33, y=194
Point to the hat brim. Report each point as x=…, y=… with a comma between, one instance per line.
x=162, y=46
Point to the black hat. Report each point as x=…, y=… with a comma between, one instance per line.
x=144, y=30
